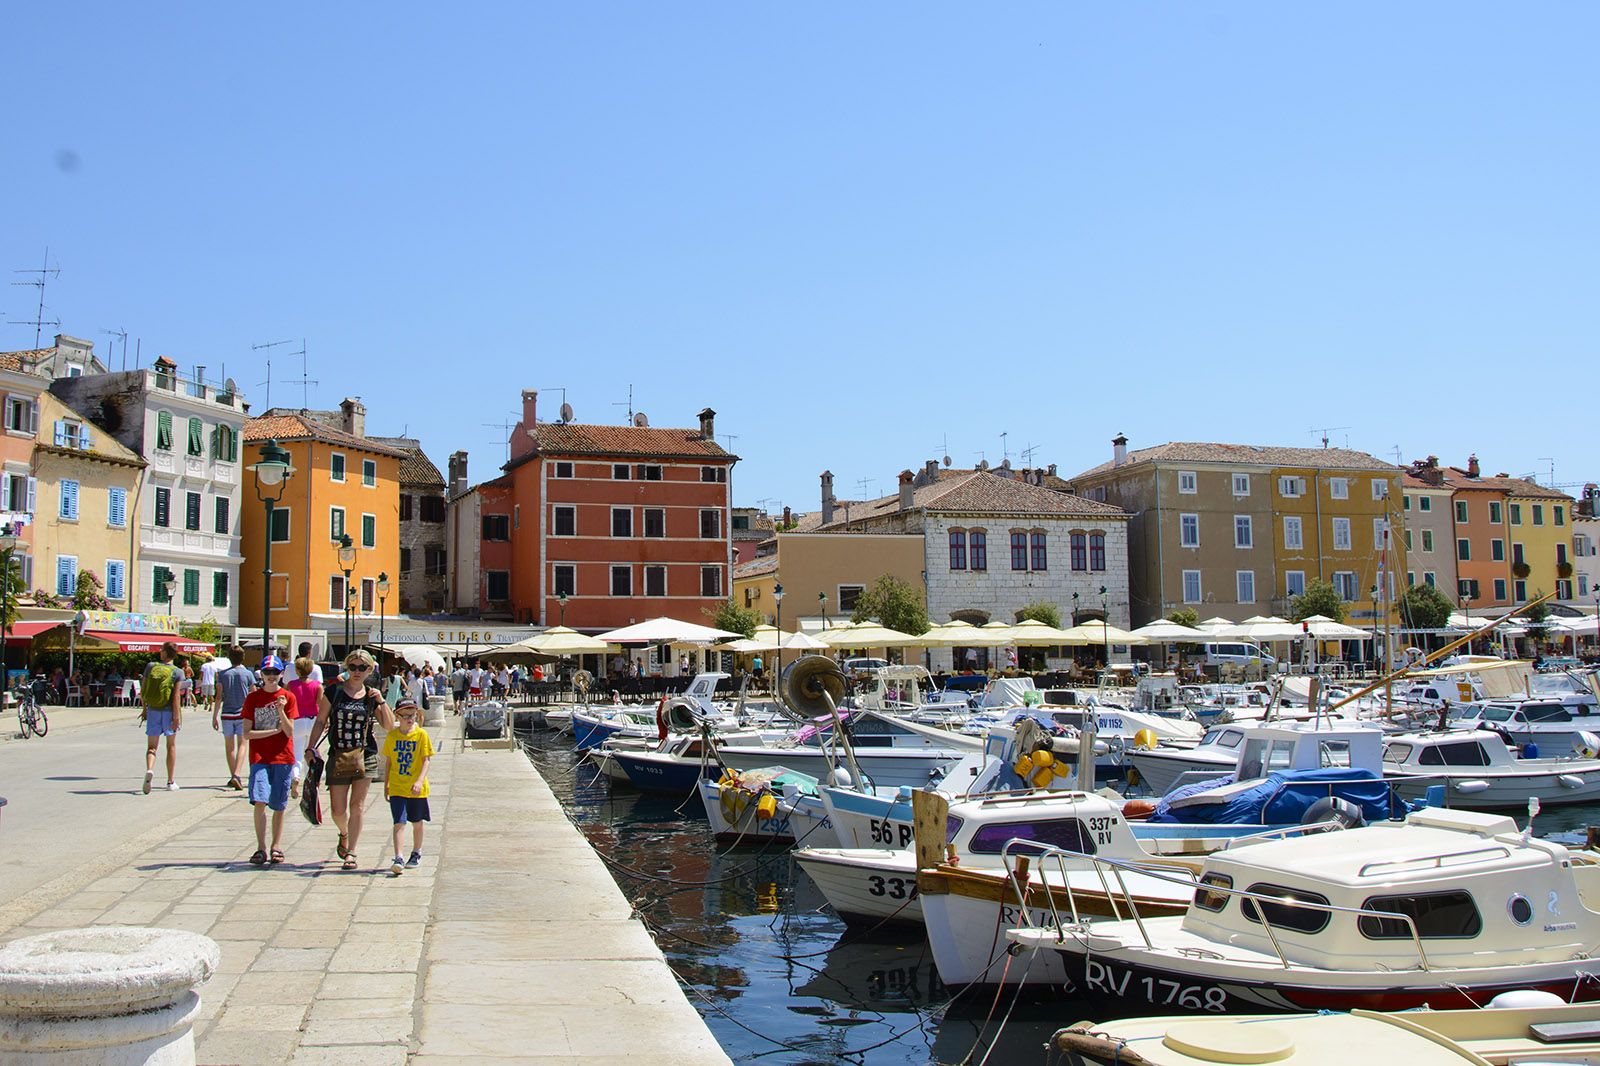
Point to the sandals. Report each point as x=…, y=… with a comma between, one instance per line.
x=340, y=850
x=259, y=858
x=349, y=862
x=276, y=857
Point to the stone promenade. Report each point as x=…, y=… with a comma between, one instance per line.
x=510, y=942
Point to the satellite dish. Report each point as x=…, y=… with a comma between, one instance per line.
x=947, y=461
x=566, y=412
x=640, y=420
x=229, y=387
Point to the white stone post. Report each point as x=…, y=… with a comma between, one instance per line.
x=115, y=995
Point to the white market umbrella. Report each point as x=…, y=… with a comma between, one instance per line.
x=419, y=655
x=664, y=631
x=1099, y=632
x=798, y=641
x=1325, y=628
x=869, y=635
x=1165, y=631
x=748, y=645
x=959, y=634
x=1267, y=628
x=1032, y=633
x=558, y=640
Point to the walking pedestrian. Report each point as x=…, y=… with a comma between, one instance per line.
x=233, y=685
x=459, y=683
x=304, y=689
x=407, y=750
x=347, y=711
x=162, y=714
x=208, y=682
x=304, y=652
x=269, y=728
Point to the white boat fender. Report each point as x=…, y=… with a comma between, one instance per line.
x=1570, y=781
x=1524, y=998
x=1472, y=786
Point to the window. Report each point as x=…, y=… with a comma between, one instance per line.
x=191, y=588
x=1583, y=584
x=405, y=507
x=116, y=579
x=1461, y=512
x=622, y=581
x=1293, y=540
x=619, y=471
x=1411, y=578
x=336, y=472
x=622, y=521
x=1019, y=551
x=1408, y=539
x=496, y=527
x=22, y=415
x=1285, y=915
x=1339, y=488
x=1212, y=901
x=1499, y=590
x=18, y=492
x=561, y=470
x=1427, y=540
x=1294, y=582
x=369, y=531
x=651, y=472
x=655, y=581
x=1040, y=556
x=222, y=525
x=711, y=581
x=1246, y=582
x=70, y=434
x=710, y=522
x=1495, y=513
x=1497, y=550
x=336, y=600
x=368, y=589
x=1538, y=514
x=1516, y=514
x=1561, y=553
x=497, y=584
x=66, y=575
x=1097, y=551
x=1425, y=503
x=280, y=525
x=1241, y=484
x=197, y=436
x=1463, y=549
x=219, y=588
x=1341, y=534
x=1186, y=482
x=655, y=522
x=1291, y=487
x=1563, y=589
x=1380, y=489
x=1079, y=544
x=849, y=595
x=1380, y=533
x=163, y=506
x=1344, y=582
x=958, y=549
x=566, y=580
x=1436, y=916
x=435, y=560
x=1191, y=586
x=1520, y=590
x=1241, y=531
x=69, y=500
x=335, y=524
x=191, y=511
x=1429, y=579
x=369, y=472
x=980, y=549
x=1067, y=834
x=1189, y=530
x=433, y=508
x=224, y=444
x=1561, y=515
x=1405, y=499
x=566, y=522
x=713, y=473
x=164, y=431
x=405, y=561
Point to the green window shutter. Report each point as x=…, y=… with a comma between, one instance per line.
x=233, y=446
x=191, y=587
x=219, y=589
x=197, y=430
x=164, y=431
x=369, y=531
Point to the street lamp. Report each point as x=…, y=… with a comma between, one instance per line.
x=8, y=544
x=1377, y=656
x=383, y=591
x=777, y=598
x=347, y=563
x=271, y=475
x=561, y=598
x=1105, y=625
x=822, y=608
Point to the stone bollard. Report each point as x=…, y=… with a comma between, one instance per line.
x=116, y=995
x=433, y=715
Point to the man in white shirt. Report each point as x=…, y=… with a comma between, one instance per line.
x=208, y=682
x=304, y=652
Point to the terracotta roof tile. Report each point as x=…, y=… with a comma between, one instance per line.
x=979, y=492
x=1255, y=455
x=1456, y=479
x=572, y=438
x=767, y=564
x=298, y=427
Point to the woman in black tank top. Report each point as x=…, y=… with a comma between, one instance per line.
x=348, y=711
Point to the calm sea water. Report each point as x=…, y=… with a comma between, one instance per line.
x=777, y=978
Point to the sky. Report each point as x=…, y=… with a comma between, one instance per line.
x=867, y=235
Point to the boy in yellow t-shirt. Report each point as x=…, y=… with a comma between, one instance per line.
x=406, y=752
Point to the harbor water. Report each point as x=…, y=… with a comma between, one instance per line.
x=777, y=978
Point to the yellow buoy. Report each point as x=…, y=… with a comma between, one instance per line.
x=1023, y=768
x=1043, y=758
x=1062, y=769
x=1043, y=778
x=767, y=805
x=1144, y=739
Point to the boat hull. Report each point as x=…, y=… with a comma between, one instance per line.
x=887, y=768
x=657, y=772
x=739, y=823
x=868, y=888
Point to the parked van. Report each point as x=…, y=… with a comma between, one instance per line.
x=1238, y=654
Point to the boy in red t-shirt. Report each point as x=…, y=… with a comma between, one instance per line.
x=269, y=726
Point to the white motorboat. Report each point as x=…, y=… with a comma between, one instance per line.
x=1479, y=772
x=766, y=806
x=1447, y=909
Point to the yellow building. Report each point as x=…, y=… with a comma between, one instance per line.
x=343, y=484
x=1539, y=527
x=86, y=487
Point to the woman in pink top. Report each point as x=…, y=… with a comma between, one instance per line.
x=305, y=693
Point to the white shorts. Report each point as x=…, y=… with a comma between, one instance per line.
x=302, y=734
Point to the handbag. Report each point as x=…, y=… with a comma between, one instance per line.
x=351, y=763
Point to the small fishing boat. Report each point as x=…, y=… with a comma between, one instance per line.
x=484, y=719
x=1479, y=772
x=770, y=805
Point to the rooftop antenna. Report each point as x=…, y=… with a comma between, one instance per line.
x=1027, y=454
x=730, y=438
x=1325, y=430
x=1552, y=462
x=629, y=404
x=762, y=503
x=506, y=428
x=267, y=404
x=124, y=335
x=304, y=382
x=38, y=320
x=1397, y=457
x=866, y=483
x=981, y=457
x=1004, y=454
x=566, y=412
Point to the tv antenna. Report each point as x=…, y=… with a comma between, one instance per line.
x=305, y=381
x=866, y=484
x=1547, y=459
x=1398, y=459
x=566, y=408
x=1325, y=430
x=124, y=335
x=268, y=383
x=1028, y=453
x=38, y=320
x=1004, y=454
x=628, y=405
x=506, y=428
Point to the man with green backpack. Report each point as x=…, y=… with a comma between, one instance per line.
x=163, y=713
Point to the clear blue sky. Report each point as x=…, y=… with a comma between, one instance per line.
x=866, y=234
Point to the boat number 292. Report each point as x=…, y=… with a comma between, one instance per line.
x=893, y=887
x=1157, y=990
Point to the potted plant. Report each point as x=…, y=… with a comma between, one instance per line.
x=1521, y=571
x=1564, y=569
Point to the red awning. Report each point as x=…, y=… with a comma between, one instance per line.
x=150, y=642
x=25, y=631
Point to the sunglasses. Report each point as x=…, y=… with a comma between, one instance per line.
x=403, y=714
x=353, y=667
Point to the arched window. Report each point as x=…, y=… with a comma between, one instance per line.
x=958, y=549
x=980, y=550
x=1097, y=551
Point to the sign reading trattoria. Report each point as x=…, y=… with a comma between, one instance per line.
x=457, y=636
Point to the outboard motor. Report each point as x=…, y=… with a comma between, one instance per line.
x=1347, y=815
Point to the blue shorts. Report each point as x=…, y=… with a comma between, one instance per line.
x=233, y=727
x=269, y=783
x=158, y=724
x=409, y=809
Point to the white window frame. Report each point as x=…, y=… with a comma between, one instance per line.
x=714, y=571
x=655, y=568
x=1185, y=521
x=556, y=582
x=369, y=473
x=1424, y=503
x=343, y=463
x=1188, y=482
x=1430, y=578
x=561, y=469
x=1245, y=582
x=1427, y=540
x=1294, y=534
x=1341, y=534
x=364, y=516
x=1380, y=526
x=1344, y=582
x=23, y=411
x=1294, y=582
x=1380, y=489
x=344, y=523
x=1291, y=487
x=288, y=525
x=1241, y=484
x=1243, y=525
x=611, y=580
x=1338, y=488
x=612, y=529
x=1197, y=595
x=555, y=520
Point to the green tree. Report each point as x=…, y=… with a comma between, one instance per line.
x=735, y=619
x=1041, y=611
x=895, y=604
x=14, y=587
x=1537, y=615
x=1320, y=597
x=1425, y=607
x=1185, y=616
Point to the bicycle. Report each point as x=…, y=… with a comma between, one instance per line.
x=30, y=716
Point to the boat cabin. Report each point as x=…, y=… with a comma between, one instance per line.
x=1282, y=747
x=1080, y=822
x=1422, y=752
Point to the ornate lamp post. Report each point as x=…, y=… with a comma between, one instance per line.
x=272, y=474
x=1105, y=625
x=383, y=592
x=8, y=544
x=561, y=598
x=347, y=563
x=777, y=598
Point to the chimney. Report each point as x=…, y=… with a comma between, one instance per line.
x=1472, y=466
x=827, y=497
x=708, y=419
x=1051, y=470
x=458, y=474
x=355, y=417
x=787, y=518
x=907, y=489
x=530, y=408
x=930, y=472
x=1119, y=450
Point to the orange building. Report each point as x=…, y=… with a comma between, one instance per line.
x=343, y=483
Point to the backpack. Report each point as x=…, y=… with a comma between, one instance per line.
x=159, y=683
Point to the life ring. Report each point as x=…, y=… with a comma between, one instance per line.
x=582, y=680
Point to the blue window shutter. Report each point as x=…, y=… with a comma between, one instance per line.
x=66, y=575
x=61, y=434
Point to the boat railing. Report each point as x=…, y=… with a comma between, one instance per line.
x=1282, y=831
x=1040, y=853
x=1498, y=851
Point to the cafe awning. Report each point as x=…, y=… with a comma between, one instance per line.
x=140, y=642
x=25, y=631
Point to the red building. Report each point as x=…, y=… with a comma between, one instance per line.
x=630, y=522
